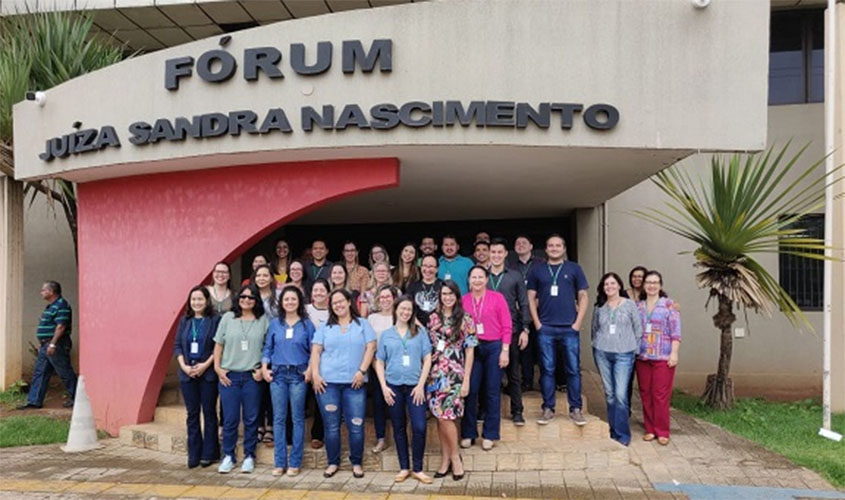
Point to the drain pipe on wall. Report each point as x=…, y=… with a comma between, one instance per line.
x=829, y=139
x=603, y=238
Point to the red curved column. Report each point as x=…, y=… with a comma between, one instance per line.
x=144, y=241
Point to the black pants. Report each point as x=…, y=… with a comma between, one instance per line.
x=514, y=375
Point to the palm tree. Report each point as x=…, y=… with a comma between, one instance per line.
x=747, y=207
x=37, y=52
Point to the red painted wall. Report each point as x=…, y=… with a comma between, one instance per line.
x=144, y=241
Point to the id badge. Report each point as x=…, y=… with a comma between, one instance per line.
x=195, y=347
x=441, y=345
x=613, y=329
x=479, y=328
x=406, y=360
x=244, y=345
x=648, y=328
x=554, y=291
x=289, y=333
x=447, y=277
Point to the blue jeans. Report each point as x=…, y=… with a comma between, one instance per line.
x=486, y=367
x=46, y=366
x=403, y=402
x=342, y=400
x=616, y=370
x=288, y=388
x=549, y=338
x=379, y=406
x=244, y=393
x=201, y=396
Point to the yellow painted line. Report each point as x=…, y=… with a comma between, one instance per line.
x=208, y=491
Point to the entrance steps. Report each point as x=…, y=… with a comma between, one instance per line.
x=560, y=445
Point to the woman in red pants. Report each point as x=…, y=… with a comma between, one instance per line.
x=657, y=356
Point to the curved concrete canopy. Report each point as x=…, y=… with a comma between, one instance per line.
x=678, y=76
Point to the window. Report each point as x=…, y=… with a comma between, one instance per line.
x=803, y=278
x=796, y=57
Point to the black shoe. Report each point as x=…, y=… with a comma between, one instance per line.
x=527, y=388
x=518, y=420
x=438, y=474
x=206, y=463
x=27, y=406
x=458, y=477
x=481, y=417
x=68, y=403
x=192, y=464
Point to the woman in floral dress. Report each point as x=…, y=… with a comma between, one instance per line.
x=451, y=366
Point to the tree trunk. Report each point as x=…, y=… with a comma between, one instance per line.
x=719, y=393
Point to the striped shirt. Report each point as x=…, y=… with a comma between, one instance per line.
x=56, y=313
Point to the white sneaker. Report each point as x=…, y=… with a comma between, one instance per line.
x=226, y=465
x=248, y=466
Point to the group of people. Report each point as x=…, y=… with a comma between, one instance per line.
x=426, y=335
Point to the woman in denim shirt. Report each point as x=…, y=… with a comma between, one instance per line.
x=341, y=353
x=657, y=356
x=287, y=351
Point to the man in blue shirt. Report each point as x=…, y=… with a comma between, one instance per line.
x=453, y=266
x=557, y=298
x=53, y=334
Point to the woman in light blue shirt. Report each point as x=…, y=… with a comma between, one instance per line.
x=341, y=352
x=287, y=351
x=403, y=361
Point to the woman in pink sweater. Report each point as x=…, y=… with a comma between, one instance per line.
x=492, y=318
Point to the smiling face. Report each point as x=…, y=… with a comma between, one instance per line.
x=282, y=250
x=555, y=248
x=350, y=253
x=429, y=268
x=481, y=254
x=263, y=278
x=258, y=260
x=653, y=283
x=522, y=246
x=637, y=278
x=477, y=280
x=290, y=301
x=498, y=254
x=319, y=294
x=220, y=275
x=378, y=254
x=246, y=300
x=385, y=301
x=428, y=246
x=296, y=272
x=198, y=302
x=448, y=298
x=319, y=251
x=611, y=287
x=404, y=311
x=340, y=306
x=409, y=253
x=381, y=272
x=450, y=247
x=338, y=276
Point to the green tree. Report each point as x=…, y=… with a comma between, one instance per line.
x=749, y=205
x=37, y=52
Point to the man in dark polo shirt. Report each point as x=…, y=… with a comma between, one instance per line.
x=320, y=266
x=509, y=283
x=557, y=297
x=54, y=354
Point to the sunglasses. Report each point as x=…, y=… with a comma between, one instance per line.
x=248, y=297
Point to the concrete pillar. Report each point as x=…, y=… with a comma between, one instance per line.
x=838, y=295
x=11, y=279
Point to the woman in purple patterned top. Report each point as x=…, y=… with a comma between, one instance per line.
x=657, y=356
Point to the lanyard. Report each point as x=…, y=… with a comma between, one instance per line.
x=404, y=341
x=495, y=284
x=316, y=271
x=555, y=274
x=194, y=326
x=249, y=329
x=478, y=308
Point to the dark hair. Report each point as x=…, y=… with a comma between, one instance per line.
x=429, y=236
x=54, y=287
x=273, y=303
x=321, y=281
x=350, y=242
x=413, y=272
x=353, y=311
x=523, y=235
x=499, y=241
x=556, y=235
x=259, y=255
x=473, y=268
x=659, y=276
x=209, y=309
x=449, y=236
x=321, y=240
x=430, y=256
x=345, y=274
x=412, y=325
x=457, y=310
x=601, y=297
x=300, y=308
x=290, y=263
x=274, y=262
x=228, y=268
x=480, y=243
x=257, y=309
x=631, y=274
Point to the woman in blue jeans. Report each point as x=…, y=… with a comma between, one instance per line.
x=287, y=351
x=193, y=348
x=403, y=360
x=341, y=352
x=616, y=331
x=239, y=343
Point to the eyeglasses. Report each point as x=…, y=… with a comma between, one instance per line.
x=652, y=282
x=221, y=272
x=248, y=297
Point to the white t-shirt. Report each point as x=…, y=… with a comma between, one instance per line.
x=380, y=322
x=318, y=316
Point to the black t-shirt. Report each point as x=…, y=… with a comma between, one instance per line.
x=426, y=298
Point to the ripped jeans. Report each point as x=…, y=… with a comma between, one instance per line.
x=341, y=400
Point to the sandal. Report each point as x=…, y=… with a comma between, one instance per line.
x=329, y=473
x=278, y=471
x=357, y=471
x=649, y=437
x=422, y=477
x=663, y=441
x=268, y=437
x=401, y=476
x=380, y=446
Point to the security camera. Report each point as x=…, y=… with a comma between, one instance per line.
x=700, y=4
x=39, y=97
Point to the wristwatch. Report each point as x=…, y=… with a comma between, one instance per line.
x=362, y=372
x=51, y=345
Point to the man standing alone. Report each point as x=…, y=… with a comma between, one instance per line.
x=553, y=290
x=54, y=354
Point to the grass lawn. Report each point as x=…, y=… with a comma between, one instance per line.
x=790, y=429
x=25, y=430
